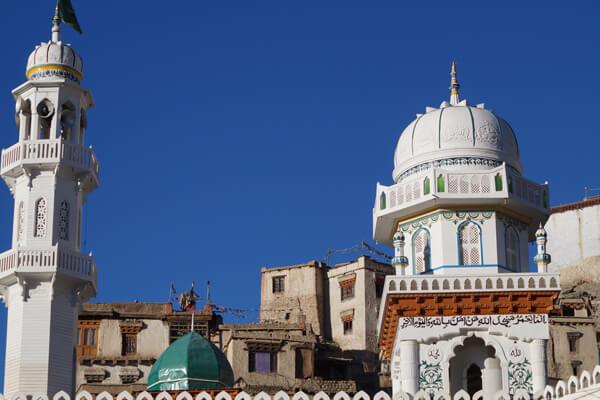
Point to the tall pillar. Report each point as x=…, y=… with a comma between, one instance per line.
x=491, y=377
x=537, y=349
x=409, y=366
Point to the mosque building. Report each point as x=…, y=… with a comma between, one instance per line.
x=463, y=311
x=458, y=310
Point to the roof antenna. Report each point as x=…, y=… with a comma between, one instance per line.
x=454, y=86
x=208, y=292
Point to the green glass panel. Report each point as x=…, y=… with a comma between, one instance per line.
x=426, y=186
x=441, y=184
x=382, y=201
x=498, y=181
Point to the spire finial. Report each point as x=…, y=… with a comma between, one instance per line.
x=56, y=25
x=454, y=86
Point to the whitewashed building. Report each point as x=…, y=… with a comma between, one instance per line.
x=463, y=312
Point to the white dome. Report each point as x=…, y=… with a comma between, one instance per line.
x=54, y=60
x=455, y=136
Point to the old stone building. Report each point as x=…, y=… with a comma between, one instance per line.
x=574, y=238
x=573, y=345
x=317, y=329
x=119, y=342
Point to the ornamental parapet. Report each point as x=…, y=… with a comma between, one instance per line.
x=438, y=187
x=48, y=152
x=472, y=283
x=17, y=261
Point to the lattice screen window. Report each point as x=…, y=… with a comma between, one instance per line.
x=400, y=195
x=464, y=184
x=470, y=244
x=475, y=184
x=63, y=220
x=416, y=190
x=512, y=249
x=486, y=185
x=422, y=251
x=41, y=218
x=20, y=222
x=452, y=184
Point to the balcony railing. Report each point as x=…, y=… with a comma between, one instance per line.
x=47, y=260
x=49, y=151
x=473, y=283
x=497, y=183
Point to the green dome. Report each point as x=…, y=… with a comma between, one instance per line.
x=191, y=363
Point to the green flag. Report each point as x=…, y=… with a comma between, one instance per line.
x=67, y=14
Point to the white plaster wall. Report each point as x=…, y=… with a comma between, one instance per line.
x=357, y=339
x=574, y=237
x=35, y=341
x=153, y=339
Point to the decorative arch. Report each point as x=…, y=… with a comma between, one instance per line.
x=441, y=184
x=45, y=111
x=426, y=186
x=421, y=248
x=498, y=182
x=512, y=246
x=67, y=121
x=488, y=340
x=41, y=218
x=470, y=247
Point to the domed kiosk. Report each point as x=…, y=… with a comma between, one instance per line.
x=191, y=363
x=464, y=311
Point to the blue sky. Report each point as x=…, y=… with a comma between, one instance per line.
x=239, y=134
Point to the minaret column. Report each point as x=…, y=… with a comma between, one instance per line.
x=537, y=350
x=400, y=262
x=409, y=366
x=542, y=259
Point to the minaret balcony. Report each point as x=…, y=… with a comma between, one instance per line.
x=20, y=263
x=49, y=153
x=437, y=188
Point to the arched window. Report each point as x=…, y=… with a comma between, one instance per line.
x=426, y=186
x=382, y=201
x=24, y=119
x=45, y=111
x=20, y=221
x=421, y=243
x=441, y=184
x=82, y=125
x=63, y=221
x=41, y=218
x=469, y=236
x=511, y=242
x=498, y=182
x=67, y=121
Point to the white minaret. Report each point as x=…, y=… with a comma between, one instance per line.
x=542, y=259
x=49, y=171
